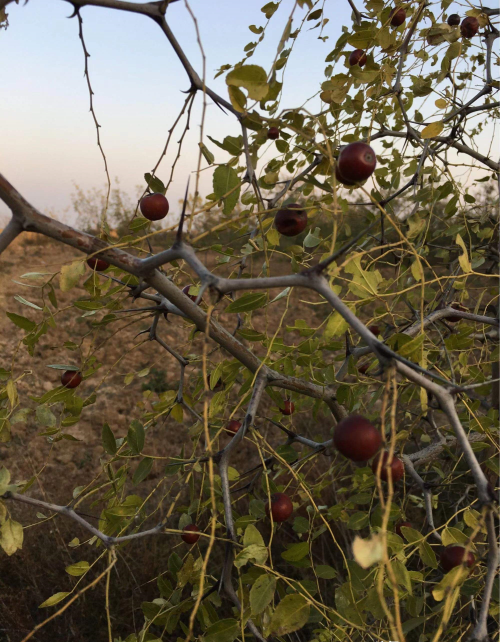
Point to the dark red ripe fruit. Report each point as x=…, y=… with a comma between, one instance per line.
x=341, y=179
x=357, y=162
x=455, y=555
x=374, y=329
x=454, y=20
x=281, y=507
x=273, y=133
x=291, y=221
x=397, y=469
x=469, y=27
x=363, y=368
x=356, y=438
x=288, y=408
x=185, y=289
x=71, y=379
x=456, y=306
x=397, y=16
x=190, y=534
x=97, y=264
x=233, y=426
x=357, y=57
x=398, y=526
x=154, y=207
x=219, y=385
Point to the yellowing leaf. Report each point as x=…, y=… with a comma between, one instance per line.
x=11, y=536
x=80, y=568
x=416, y=270
x=54, y=599
x=463, y=259
x=252, y=78
x=433, y=129
x=441, y=103
x=70, y=275
x=367, y=551
x=237, y=98
x=335, y=326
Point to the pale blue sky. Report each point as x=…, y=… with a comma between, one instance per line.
x=48, y=138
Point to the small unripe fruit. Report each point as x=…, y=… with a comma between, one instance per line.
x=186, y=289
x=374, y=329
x=397, y=16
x=281, y=507
x=399, y=525
x=357, y=162
x=291, y=221
x=357, y=57
x=288, y=408
x=461, y=308
x=396, y=470
x=273, y=133
x=71, y=379
x=469, y=27
x=356, y=438
x=190, y=534
x=454, y=20
x=97, y=264
x=455, y=555
x=233, y=426
x=154, y=207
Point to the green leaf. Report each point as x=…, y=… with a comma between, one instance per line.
x=427, y=554
x=80, y=568
x=222, y=631
x=325, y=572
x=108, y=440
x=21, y=322
x=226, y=180
x=454, y=578
x=25, y=302
x=452, y=535
x=313, y=238
x=247, y=302
x=252, y=78
x=290, y=615
x=262, y=593
x=254, y=552
x=135, y=437
x=70, y=275
x=142, y=470
x=296, y=552
x=252, y=536
x=269, y=9
x=155, y=184
x=55, y=599
x=209, y=157
x=45, y=416
x=63, y=366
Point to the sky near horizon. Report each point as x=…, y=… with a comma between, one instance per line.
x=48, y=136
x=48, y=141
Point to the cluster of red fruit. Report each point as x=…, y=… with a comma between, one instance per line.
x=356, y=163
